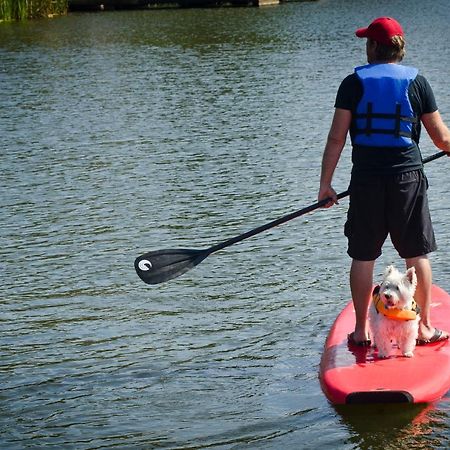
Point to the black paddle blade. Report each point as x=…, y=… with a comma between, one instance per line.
x=162, y=265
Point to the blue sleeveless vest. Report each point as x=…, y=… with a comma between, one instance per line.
x=384, y=116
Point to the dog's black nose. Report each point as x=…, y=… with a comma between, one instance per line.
x=388, y=296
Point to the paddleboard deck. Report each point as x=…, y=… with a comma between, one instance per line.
x=352, y=374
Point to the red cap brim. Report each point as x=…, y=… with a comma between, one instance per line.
x=361, y=32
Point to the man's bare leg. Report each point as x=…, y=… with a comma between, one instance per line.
x=423, y=295
x=361, y=285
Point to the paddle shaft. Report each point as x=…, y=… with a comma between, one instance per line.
x=274, y=223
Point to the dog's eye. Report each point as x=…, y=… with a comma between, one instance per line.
x=391, y=286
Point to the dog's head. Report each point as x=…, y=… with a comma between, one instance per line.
x=397, y=289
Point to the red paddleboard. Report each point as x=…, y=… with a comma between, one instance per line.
x=352, y=374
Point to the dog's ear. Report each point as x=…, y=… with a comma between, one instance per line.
x=411, y=276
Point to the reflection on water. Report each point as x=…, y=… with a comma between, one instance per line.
x=131, y=131
x=392, y=426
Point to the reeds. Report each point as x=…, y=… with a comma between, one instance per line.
x=30, y=9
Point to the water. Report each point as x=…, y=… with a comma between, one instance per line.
x=125, y=132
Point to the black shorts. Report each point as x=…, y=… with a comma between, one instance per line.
x=395, y=205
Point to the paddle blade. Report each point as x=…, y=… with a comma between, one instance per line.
x=162, y=265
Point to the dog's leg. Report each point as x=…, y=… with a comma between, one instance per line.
x=407, y=348
x=407, y=341
x=384, y=348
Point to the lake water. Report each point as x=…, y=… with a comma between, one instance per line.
x=124, y=132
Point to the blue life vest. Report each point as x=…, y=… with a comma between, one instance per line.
x=384, y=116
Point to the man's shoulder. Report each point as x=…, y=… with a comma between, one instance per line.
x=350, y=82
x=349, y=92
x=421, y=81
x=421, y=88
x=351, y=78
x=422, y=95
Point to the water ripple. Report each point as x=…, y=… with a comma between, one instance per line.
x=183, y=128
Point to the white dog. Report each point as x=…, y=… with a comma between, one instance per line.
x=393, y=314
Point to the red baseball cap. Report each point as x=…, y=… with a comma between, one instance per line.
x=381, y=30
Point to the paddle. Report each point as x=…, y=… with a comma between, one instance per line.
x=161, y=265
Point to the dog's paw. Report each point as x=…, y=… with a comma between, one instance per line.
x=408, y=354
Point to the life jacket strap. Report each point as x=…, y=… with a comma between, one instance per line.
x=397, y=117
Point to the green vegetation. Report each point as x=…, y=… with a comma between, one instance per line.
x=30, y=9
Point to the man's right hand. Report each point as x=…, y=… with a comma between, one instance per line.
x=328, y=192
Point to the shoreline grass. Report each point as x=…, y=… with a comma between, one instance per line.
x=13, y=10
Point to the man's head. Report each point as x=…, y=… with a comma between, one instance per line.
x=385, y=40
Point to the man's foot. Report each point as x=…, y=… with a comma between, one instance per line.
x=438, y=336
x=352, y=341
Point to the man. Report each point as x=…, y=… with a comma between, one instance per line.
x=383, y=105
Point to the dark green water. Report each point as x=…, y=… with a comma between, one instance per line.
x=131, y=131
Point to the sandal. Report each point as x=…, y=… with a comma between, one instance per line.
x=351, y=341
x=438, y=336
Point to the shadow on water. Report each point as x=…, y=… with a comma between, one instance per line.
x=391, y=426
